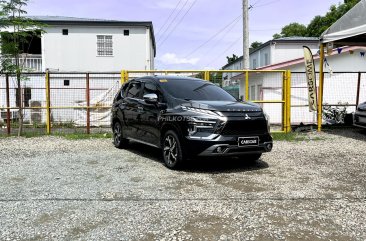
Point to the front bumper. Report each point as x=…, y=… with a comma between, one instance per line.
x=359, y=119
x=226, y=146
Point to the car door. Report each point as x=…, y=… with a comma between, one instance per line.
x=132, y=109
x=151, y=113
x=118, y=106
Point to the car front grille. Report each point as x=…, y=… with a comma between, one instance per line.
x=245, y=127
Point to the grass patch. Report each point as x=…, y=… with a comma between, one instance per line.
x=294, y=136
x=70, y=136
x=83, y=136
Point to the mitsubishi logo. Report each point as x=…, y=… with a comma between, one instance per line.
x=247, y=117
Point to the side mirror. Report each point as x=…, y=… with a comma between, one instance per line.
x=151, y=98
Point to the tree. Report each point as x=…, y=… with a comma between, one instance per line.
x=17, y=32
x=231, y=59
x=293, y=29
x=255, y=44
x=319, y=23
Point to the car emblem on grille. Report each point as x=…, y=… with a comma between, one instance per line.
x=247, y=117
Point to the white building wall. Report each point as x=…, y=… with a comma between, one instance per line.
x=77, y=51
x=289, y=51
x=338, y=87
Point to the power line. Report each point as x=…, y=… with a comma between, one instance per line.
x=173, y=20
x=220, y=55
x=179, y=22
x=213, y=36
x=267, y=3
x=171, y=14
x=222, y=37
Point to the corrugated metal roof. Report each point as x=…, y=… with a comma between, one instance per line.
x=297, y=38
x=66, y=19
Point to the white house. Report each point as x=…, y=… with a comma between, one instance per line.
x=271, y=52
x=80, y=45
x=342, y=67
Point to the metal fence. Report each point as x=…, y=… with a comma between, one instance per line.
x=341, y=89
x=58, y=102
x=80, y=102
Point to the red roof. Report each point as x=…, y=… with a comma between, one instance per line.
x=285, y=64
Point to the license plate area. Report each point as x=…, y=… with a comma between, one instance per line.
x=248, y=141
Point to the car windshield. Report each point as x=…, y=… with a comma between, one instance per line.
x=195, y=90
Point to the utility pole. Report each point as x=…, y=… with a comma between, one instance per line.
x=245, y=35
x=243, y=84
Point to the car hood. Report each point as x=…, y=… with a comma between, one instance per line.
x=224, y=106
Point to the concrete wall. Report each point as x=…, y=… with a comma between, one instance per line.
x=77, y=51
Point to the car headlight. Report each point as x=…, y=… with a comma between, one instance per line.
x=198, y=124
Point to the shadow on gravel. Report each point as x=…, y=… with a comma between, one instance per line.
x=201, y=165
x=223, y=165
x=348, y=132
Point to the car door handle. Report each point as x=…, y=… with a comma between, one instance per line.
x=140, y=109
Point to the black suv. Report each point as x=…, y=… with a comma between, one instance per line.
x=188, y=117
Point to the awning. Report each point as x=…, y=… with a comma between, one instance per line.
x=350, y=29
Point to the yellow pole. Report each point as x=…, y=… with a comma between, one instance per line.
x=246, y=85
x=126, y=76
x=122, y=77
x=206, y=75
x=284, y=98
x=320, y=90
x=48, y=104
x=288, y=101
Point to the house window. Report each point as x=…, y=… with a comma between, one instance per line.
x=65, y=32
x=266, y=59
x=254, y=63
x=66, y=82
x=126, y=32
x=252, y=92
x=104, y=45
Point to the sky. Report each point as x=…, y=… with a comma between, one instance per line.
x=193, y=34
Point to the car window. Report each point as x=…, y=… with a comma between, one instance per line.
x=134, y=90
x=195, y=90
x=151, y=88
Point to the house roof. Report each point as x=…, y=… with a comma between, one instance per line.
x=350, y=29
x=295, y=39
x=63, y=20
x=292, y=62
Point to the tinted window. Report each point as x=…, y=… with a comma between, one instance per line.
x=195, y=90
x=151, y=88
x=134, y=90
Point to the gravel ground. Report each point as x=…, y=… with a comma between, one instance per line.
x=57, y=189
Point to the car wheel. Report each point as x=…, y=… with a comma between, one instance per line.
x=118, y=139
x=172, y=150
x=252, y=158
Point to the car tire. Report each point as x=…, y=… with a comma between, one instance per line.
x=252, y=158
x=118, y=139
x=172, y=150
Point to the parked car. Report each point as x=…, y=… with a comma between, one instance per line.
x=188, y=117
x=359, y=118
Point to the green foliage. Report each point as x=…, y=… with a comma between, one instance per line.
x=319, y=23
x=231, y=59
x=17, y=33
x=255, y=44
x=293, y=29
